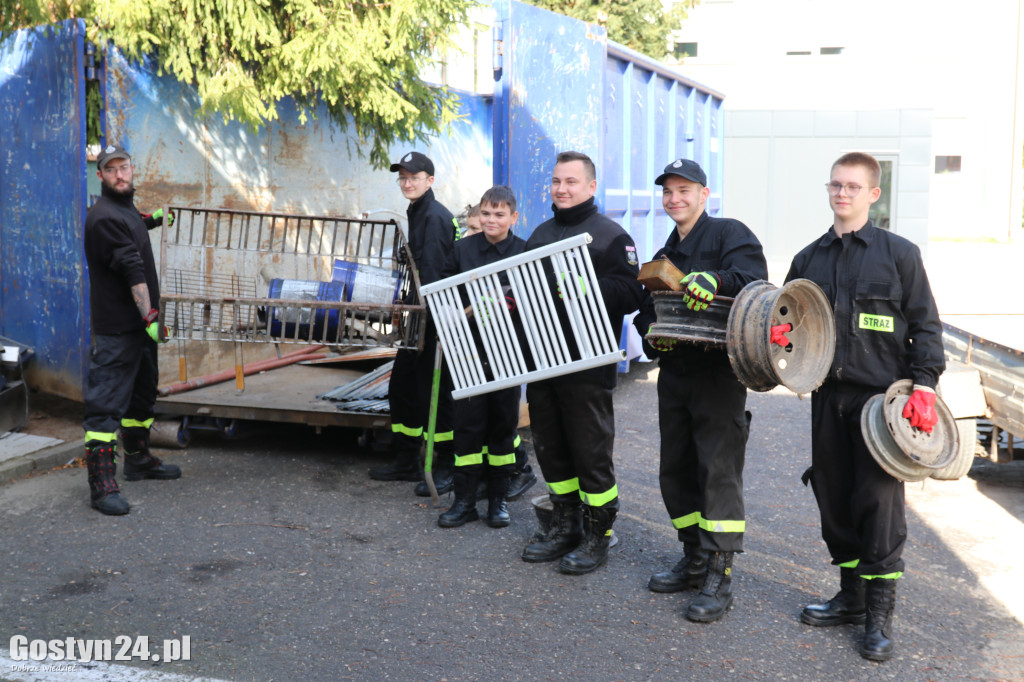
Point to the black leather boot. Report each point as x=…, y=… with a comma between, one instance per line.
x=497, y=510
x=522, y=480
x=103, y=490
x=464, y=509
x=563, y=535
x=846, y=607
x=444, y=481
x=593, y=553
x=139, y=462
x=689, y=572
x=716, y=595
x=880, y=596
x=404, y=467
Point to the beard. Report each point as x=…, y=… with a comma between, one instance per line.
x=124, y=189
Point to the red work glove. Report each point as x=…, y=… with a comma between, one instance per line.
x=779, y=334
x=920, y=409
x=156, y=331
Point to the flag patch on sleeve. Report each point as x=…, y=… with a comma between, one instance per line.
x=631, y=255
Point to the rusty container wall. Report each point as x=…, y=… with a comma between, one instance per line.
x=310, y=168
x=42, y=202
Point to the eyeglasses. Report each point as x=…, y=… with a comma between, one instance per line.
x=410, y=180
x=834, y=188
x=116, y=170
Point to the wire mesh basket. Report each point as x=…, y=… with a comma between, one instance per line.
x=256, y=277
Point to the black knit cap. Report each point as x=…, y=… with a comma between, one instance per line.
x=414, y=162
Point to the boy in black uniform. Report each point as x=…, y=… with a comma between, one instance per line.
x=887, y=328
x=485, y=425
x=701, y=403
x=432, y=232
x=121, y=381
x=572, y=416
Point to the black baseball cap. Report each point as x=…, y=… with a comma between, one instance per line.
x=414, y=162
x=686, y=169
x=111, y=152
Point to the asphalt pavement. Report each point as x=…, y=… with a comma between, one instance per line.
x=280, y=559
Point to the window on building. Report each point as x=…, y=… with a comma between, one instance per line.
x=882, y=211
x=683, y=50
x=831, y=50
x=947, y=164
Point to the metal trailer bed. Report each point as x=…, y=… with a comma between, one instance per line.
x=248, y=278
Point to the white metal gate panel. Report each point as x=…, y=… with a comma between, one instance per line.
x=550, y=350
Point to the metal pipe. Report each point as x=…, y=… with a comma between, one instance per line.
x=252, y=368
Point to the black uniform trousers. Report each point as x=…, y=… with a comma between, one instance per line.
x=409, y=397
x=573, y=427
x=485, y=431
x=704, y=428
x=863, y=516
x=120, y=385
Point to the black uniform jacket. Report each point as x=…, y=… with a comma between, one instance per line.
x=119, y=256
x=887, y=324
x=722, y=246
x=615, y=265
x=431, y=235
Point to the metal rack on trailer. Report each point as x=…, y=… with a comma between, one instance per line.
x=296, y=281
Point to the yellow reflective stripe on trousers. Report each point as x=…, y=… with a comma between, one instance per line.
x=564, y=487
x=887, y=576
x=686, y=521
x=517, y=441
x=501, y=460
x=469, y=460
x=407, y=430
x=442, y=437
x=711, y=526
x=850, y=564
x=100, y=436
x=599, y=499
x=136, y=424
x=723, y=526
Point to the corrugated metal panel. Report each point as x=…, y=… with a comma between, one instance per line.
x=42, y=202
x=652, y=116
x=1002, y=375
x=563, y=86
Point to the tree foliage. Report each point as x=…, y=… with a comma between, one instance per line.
x=642, y=25
x=359, y=60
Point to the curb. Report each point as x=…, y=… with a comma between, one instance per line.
x=48, y=458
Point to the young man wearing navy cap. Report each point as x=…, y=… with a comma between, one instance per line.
x=431, y=236
x=121, y=381
x=701, y=403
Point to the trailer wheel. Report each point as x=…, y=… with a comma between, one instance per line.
x=967, y=430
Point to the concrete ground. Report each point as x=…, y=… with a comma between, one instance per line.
x=282, y=560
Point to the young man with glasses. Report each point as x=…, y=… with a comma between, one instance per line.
x=887, y=328
x=431, y=236
x=121, y=381
x=702, y=414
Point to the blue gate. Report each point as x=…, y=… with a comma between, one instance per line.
x=42, y=202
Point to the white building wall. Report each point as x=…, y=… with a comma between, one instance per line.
x=915, y=79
